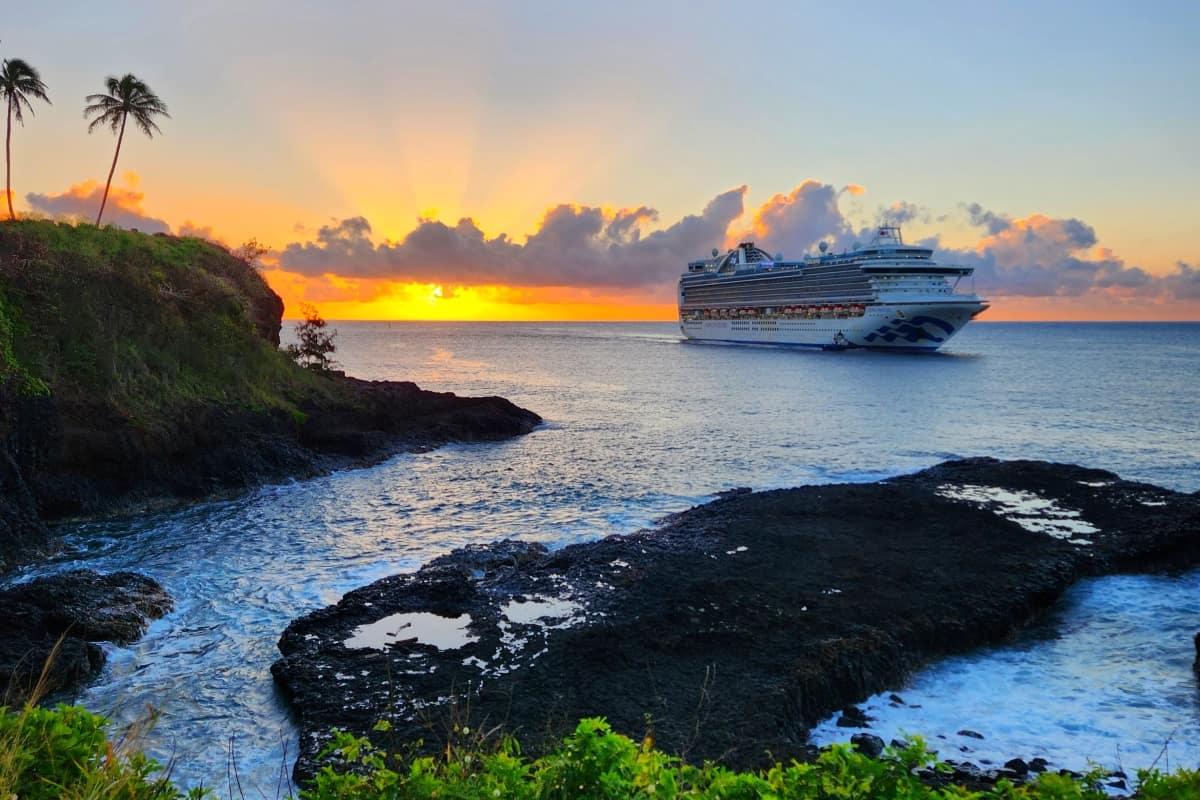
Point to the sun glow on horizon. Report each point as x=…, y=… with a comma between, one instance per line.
x=382, y=300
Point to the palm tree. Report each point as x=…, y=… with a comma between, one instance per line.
x=18, y=83
x=127, y=97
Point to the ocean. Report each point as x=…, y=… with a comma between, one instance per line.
x=640, y=424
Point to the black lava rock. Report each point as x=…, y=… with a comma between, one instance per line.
x=81, y=608
x=736, y=625
x=853, y=717
x=868, y=744
x=1018, y=766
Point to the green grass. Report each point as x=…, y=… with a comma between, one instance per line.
x=66, y=753
x=145, y=326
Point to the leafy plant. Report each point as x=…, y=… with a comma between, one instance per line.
x=595, y=763
x=64, y=753
x=316, y=343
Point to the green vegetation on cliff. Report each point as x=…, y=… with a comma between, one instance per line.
x=142, y=325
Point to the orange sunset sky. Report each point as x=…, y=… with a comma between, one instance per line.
x=563, y=162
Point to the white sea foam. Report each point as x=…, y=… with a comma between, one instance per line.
x=1106, y=678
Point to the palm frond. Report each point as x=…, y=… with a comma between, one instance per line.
x=126, y=96
x=146, y=125
x=113, y=121
x=98, y=108
x=19, y=81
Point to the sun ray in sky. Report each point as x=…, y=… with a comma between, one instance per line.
x=308, y=116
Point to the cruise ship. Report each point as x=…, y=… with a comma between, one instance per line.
x=885, y=295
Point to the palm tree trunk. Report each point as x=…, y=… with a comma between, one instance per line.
x=112, y=169
x=8, y=162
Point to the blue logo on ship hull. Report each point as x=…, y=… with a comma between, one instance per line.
x=911, y=330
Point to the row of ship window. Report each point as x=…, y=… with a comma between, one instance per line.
x=737, y=314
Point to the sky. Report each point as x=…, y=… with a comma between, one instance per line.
x=550, y=160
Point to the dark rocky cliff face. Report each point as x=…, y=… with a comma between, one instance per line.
x=24, y=426
x=56, y=622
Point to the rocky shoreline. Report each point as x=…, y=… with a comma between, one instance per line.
x=732, y=628
x=143, y=371
x=56, y=623
x=52, y=468
x=117, y=473
x=138, y=371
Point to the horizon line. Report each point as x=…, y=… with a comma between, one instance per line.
x=668, y=321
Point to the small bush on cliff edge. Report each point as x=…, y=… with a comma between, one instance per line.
x=316, y=344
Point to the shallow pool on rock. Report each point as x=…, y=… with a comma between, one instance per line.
x=444, y=633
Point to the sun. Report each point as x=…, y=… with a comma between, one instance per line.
x=436, y=294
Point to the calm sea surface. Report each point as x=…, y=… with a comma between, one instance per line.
x=639, y=424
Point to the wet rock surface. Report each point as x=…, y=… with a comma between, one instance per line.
x=735, y=626
x=82, y=607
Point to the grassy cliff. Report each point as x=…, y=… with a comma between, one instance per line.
x=139, y=326
x=136, y=368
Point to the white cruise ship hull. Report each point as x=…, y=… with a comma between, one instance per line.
x=915, y=327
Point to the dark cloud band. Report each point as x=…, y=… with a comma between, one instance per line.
x=573, y=246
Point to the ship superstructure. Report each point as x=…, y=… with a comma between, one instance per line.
x=886, y=294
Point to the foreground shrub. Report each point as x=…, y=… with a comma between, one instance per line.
x=65, y=752
x=594, y=763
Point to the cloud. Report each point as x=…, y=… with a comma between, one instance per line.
x=982, y=218
x=590, y=247
x=902, y=212
x=1040, y=256
x=854, y=189
x=197, y=231
x=793, y=223
x=1184, y=283
x=124, y=208
x=573, y=246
